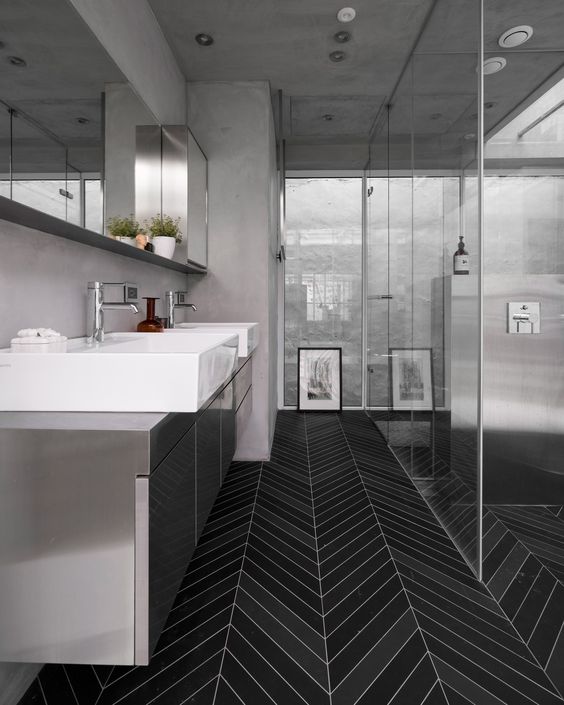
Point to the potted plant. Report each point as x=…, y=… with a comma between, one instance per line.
x=125, y=229
x=165, y=233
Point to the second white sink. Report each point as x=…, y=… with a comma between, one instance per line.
x=248, y=333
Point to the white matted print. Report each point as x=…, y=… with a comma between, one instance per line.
x=319, y=379
x=412, y=378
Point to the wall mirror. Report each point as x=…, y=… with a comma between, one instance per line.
x=51, y=127
x=67, y=133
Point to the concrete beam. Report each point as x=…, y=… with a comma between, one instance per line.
x=131, y=35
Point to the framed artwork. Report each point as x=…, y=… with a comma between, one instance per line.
x=319, y=379
x=412, y=378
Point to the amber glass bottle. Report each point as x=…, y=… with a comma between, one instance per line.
x=151, y=324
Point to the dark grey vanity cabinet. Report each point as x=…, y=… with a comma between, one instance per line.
x=228, y=437
x=208, y=461
x=171, y=511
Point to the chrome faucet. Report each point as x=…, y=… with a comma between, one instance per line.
x=95, y=307
x=174, y=300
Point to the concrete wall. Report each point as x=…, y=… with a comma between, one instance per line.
x=46, y=277
x=234, y=125
x=131, y=35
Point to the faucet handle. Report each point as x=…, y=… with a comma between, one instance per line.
x=179, y=298
x=120, y=292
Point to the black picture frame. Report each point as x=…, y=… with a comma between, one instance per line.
x=320, y=379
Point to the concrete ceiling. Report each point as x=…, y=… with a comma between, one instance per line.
x=288, y=42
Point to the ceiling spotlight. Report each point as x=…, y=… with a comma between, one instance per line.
x=337, y=56
x=328, y=117
x=342, y=36
x=17, y=61
x=204, y=40
x=493, y=65
x=82, y=120
x=515, y=36
x=346, y=14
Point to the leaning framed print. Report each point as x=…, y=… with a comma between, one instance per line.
x=411, y=378
x=319, y=379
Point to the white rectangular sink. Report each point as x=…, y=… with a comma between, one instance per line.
x=128, y=372
x=248, y=333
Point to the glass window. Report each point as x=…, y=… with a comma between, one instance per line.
x=323, y=277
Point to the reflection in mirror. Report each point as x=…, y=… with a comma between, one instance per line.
x=51, y=141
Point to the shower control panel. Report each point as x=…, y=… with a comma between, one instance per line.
x=523, y=317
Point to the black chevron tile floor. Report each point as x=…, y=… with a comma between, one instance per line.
x=323, y=577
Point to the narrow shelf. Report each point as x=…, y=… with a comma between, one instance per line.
x=17, y=213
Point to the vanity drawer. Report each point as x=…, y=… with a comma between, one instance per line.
x=243, y=413
x=243, y=381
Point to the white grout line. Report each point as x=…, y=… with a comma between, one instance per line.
x=542, y=611
x=229, y=626
x=391, y=555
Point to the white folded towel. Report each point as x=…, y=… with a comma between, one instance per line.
x=37, y=332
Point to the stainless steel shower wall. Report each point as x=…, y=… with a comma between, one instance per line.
x=524, y=394
x=523, y=399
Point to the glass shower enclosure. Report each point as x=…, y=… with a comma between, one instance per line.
x=464, y=372
x=423, y=322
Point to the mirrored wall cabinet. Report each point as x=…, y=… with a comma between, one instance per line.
x=171, y=178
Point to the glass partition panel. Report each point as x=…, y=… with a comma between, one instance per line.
x=323, y=277
x=38, y=168
x=5, y=150
x=73, y=196
x=423, y=333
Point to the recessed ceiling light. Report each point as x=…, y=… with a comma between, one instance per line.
x=204, y=40
x=17, y=61
x=82, y=120
x=515, y=36
x=346, y=14
x=328, y=117
x=493, y=65
x=436, y=116
x=337, y=56
x=342, y=36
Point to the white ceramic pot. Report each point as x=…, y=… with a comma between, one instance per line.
x=164, y=246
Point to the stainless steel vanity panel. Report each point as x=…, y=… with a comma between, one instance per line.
x=67, y=563
x=524, y=394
